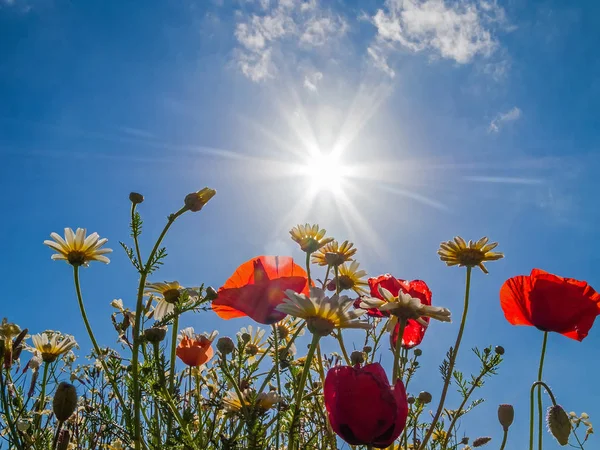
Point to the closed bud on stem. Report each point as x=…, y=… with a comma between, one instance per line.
x=506, y=415
x=211, y=294
x=65, y=401
x=155, y=334
x=357, y=358
x=196, y=200
x=559, y=424
x=425, y=397
x=136, y=198
x=418, y=352
x=225, y=345
x=367, y=349
x=499, y=350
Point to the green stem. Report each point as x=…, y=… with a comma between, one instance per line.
x=173, y=354
x=340, y=339
x=109, y=375
x=451, y=363
x=135, y=237
x=137, y=399
x=336, y=271
x=539, y=392
x=308, y=269
x=504, y=439
x=395, y=367
x=42, y=397
x=300, y=392
x=539, y=385
x=7, y=408
x=278, y=378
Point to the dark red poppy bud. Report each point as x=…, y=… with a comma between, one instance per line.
x=506, y=415
x=65, y=401
x=363, y=408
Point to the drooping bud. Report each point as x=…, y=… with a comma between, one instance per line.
x=481, y=441
x=559, y=424
x=65, y=401
x=225, y=345
x=196, y=200
x=136, y=198
x=425, y=397
x=506, y=415
x=155, y=334
x=357, y=358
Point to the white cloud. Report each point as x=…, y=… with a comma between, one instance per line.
x=311, y=80
x=459, y=31
x=294, y=23
x=380, y=61
x=509, y=116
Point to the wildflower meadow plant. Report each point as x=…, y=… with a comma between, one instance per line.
x=257, y=389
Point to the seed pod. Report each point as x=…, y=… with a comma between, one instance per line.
x=155, y=334
x=506, y=415
x=559, y=424
x=357, y=358
x=65, y=401
x=225, y=345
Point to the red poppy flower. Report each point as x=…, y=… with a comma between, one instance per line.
x=414, y=331
x=550, y=303
x=363, y=408
x=195, y=352
x=258, y=286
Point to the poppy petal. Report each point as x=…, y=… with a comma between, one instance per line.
x=514, y=300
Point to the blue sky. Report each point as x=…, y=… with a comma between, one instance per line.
x=472, y=118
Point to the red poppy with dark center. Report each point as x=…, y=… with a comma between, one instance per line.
x=550, y=303
x=414, y=331
x=195, y=352
x=258, y=286
x=363, y=408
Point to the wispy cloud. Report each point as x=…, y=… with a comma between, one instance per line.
x=311, y=80
x=459, y=31
x=509, y=116
x=299, y=24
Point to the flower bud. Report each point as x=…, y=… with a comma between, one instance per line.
x=246, y=337
x=357, y=358
x=65, y=401
x=506, y=415
x=499, y=350
x=559, y=424
x=481, y=441
x=136, y=198
x=225, y=345
x=367, y=349
x=196, y=200
x=418, y=352
x=425, y=397
x=410, y=400
x=155, y=334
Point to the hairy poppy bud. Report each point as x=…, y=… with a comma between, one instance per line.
x=425, y=397
x=155, y=334
x=65, y=401
x=225, y=345
x=481, y=441
x=136, y=198
x=357, y=358
x=418, y=352
x=506, y=415
x=499, y=350
x=559, y=424
x=196, y=200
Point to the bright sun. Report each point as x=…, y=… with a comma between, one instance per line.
x=325, y=172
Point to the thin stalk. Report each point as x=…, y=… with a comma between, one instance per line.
x=7, y=409
x=340, y=339
x=539, y=385
x=504, y=439
x=109, y=375
x=173, y=354
x=308, y=269
x=278, y=379
x=451, y=363
x=539, y=392
x=395, y=367
x=137, y=328
x=135, y=238
x=42, y=397
x=300, y=393
x=56, y=435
